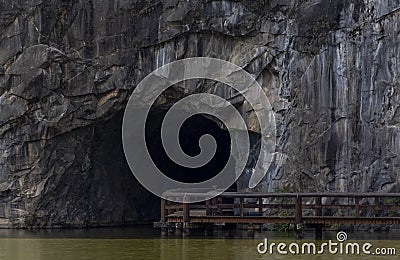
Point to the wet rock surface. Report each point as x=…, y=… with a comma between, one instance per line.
x=330, y=69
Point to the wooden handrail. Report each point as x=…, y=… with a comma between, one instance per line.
x=304, y=195
x=230, y=206
x=284, y=208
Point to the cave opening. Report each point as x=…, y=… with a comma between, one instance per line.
x=189, y=135
x=120, y=198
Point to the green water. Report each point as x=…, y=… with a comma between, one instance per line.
x=145, y=243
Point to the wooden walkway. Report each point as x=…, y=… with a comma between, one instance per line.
x=313, y=209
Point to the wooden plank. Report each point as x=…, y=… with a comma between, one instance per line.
x=287, y=220
x=255, y=206
x=351, y=220
x=237, y=220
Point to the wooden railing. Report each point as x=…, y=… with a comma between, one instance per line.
x=291, y=208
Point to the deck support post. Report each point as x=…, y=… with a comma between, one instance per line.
x=186, y=230
x=164, y=231
x=178, y=229
x=208, y=230
x=318, y=231
x=250, y=230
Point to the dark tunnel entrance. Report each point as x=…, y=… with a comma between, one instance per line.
x=118, y=197
x=189, y=136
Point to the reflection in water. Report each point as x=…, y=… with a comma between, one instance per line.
x=144, y=243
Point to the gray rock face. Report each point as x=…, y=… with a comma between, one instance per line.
x=331, y=70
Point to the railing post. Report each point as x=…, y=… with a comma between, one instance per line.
x=356, y=206
x=168, y=210
x=318, y=213
x=260, y=206
x=298, y=210
x=163, y=215
x=219, y=209
x=186, y=216
x=318, y=204
x=241, y=208
x=213, y=206
x=377, y=207
x=186, y=210
x=163, y=219
x=299, y=216
x=208, y=210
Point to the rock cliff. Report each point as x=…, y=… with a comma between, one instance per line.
x=331, y=70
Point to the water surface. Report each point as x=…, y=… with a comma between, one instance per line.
x=146, y=243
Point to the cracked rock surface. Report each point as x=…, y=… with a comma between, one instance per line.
x=331, y=70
